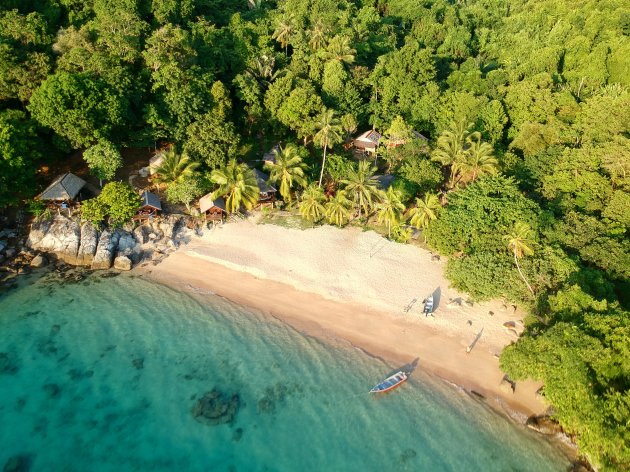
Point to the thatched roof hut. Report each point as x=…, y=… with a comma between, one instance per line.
x=65, y=187
x=214, y=208
x=263, y=183
x=150, y=201
x=367, y=141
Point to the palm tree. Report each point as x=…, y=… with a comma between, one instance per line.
x=317, y=35
x=338, y=209
x=287, y=170
x=238, y=184
x=311, y=206
x=329, y=134
x=425, y=211
x=519, y=242
x=478, y=160
x=451, y=147
x=339, y=49
x=390, y=209
x=284, y=31
x=174, y=168
x=362, y=186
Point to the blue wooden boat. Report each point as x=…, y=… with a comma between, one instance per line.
x=390, y=383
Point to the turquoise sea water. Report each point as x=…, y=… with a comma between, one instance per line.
x=101, y=374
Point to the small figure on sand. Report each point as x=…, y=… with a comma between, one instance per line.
x=428, y=306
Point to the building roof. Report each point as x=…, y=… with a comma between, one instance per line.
x=263, y=182
x=270, y=156
x=400, y=142
x=370, y=135
x=151, y=199
x=385, y=180
x=207, y=202
x=65, y=187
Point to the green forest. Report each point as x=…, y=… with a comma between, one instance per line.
x=505, y=125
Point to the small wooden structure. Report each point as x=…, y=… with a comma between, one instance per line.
x=367, y=142
x=270, y=156
x=267, y=192
x=64, y=192
x=151, y=206
x=213, y=209
x=155, y=162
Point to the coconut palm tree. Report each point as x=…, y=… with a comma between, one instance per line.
x=287, y=170
x=425, y=211
x=328, y=135
x=451, y=146
x=390, y=209
x=362, y=186
x=238, y=184
x=317, y=35
x=520, y=242
x=283, y=32
x=478, y=160
x=311, y=205
x=174, y=168
x=338, y=209
x=339, y=49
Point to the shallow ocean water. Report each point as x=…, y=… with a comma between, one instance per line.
x=102, y=374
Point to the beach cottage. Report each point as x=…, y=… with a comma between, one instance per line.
x=65, y=192
x=213, y=209
x=367, y=142
x=150, y=206
x=267, y=192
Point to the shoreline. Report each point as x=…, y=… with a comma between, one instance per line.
x=396, y=340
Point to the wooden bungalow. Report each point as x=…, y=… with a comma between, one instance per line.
x=267, y=192
x=367, y=142
x=150, y=206
x=65, y=191
x=213, y=209
x=155, y=162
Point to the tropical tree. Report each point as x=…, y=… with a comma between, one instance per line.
x=317, y=35
x=390, y=209
x=311, y=205
x=175, y=167
x=283, y=32
x=186, y=190
x=339, y=50
x=103, y=159
x=338, y=209
x=451, y=146
x=288, y=170
x=425, y=211
x=519, y=242
x=328, y=135
x=362, y=186
x=478, y=160
x=237, y=183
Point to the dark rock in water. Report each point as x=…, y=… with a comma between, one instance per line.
x=76, y=374
x=266, y=405
x=407, y=455
x=216, y=408
x=237, y=434
x=19, y=463
x=55, y=329
x=20, y=404
x=8, y=364
x=544, y=424
x=580, y=465
x=52, y=390
x=138, y=363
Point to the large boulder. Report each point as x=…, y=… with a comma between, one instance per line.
x=122, y=263
x=89, y=242
x=39, y=261
x=216, y=408
x=106, y=249
x=60, y=235
x=141, y=233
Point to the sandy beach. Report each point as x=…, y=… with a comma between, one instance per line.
x=356, y=286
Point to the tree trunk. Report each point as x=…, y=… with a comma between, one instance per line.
x=521, y=273
x=321, y=174
x=389, y=229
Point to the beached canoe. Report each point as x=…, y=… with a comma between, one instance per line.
x=390, y=383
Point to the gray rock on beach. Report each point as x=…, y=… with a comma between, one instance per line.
x=60, y=235
x=122, y=263
x=89, y=242
x=39, y=261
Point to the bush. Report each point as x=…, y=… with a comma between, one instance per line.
x=118, y=202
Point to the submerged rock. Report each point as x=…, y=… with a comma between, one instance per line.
x=122, y=263
x=19, y=463
x=216, y=408
x=8, y=364
x=544, y=424
x=52, y=390
x=39, y=261
x=138, y=363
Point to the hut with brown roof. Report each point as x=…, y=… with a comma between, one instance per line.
x=65, y=188
x=212, y=208
x=150, y=206
x=266, y=191
x=367, y=142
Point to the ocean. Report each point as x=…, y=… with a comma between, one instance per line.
x=118, y=373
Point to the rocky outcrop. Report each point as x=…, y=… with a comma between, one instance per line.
x=60, y=235
x=89, y=242
x=39, y=261
x=122, y=263
x=216, y=408
x=544, y=424
x=106, y=250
